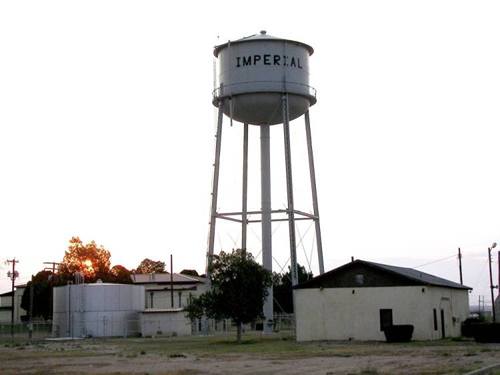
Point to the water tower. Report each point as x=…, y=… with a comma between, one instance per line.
x=263, y=81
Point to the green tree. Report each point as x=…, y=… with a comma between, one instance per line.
x=190, y=273
x=282, y=288
x=120, y=275
x=43, y=282
x=150, y=266
x=239, y=288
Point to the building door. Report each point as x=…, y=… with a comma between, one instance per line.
x=443, y=329
x=385, y=318
x=445, y=315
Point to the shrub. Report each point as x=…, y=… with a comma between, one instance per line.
x=485, y=332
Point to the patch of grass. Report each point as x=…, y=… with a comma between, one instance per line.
x=177, y=355
x=342, y=355
x=470, y=354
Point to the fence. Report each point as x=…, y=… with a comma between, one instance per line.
x=75, y=327
x=39, y=330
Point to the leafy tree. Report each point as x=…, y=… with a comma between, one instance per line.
x=282, y=288
x=89, y=259
x=120, y=275
x=150, y=266
x=42, y=282
x=239, y=288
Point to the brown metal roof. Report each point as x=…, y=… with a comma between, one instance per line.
x=163, y=278
x=409, y=276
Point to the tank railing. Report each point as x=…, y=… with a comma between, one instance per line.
x=219, y=91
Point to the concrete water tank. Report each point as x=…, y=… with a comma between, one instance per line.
x=97, y=310
x=255, y=72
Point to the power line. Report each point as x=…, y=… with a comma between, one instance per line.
x=436, y=261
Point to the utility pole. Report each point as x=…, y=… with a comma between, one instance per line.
x=491, y=286
x=53, y=269
x=460, y=266
x=13, y=275
x=32, y=290
x=171, y=282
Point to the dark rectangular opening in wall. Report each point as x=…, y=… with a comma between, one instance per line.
x=443, y=332
x=385, y=318
x=435, y=319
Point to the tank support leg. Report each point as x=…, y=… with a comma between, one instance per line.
x=267, y=255
x=312, y=173
x=289, y=191
x=215, y=189
x=244, y=194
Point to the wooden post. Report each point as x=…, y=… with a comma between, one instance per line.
x=460, y=266
x=171, y=283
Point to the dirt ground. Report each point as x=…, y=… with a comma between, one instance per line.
x=256, y=355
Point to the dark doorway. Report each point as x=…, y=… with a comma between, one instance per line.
x=385, y=318
x=443, y=333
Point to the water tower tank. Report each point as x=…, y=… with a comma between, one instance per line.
x=254, y=73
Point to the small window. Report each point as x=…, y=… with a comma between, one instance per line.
x=151, y=297
x=180, y=299
x=360, y=279
x=434, y=313
x=385, y=318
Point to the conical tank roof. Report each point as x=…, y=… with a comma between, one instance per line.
x=262, y=36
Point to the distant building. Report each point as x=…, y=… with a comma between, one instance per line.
x=158, y=287
x=357, y=300
x=6, y=305
x=161, y=316
x=144, y=307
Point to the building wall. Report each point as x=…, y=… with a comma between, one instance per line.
x=162, y=323
x=160, y=299
x=18, y=310
x=6, y=301
x=354, y=313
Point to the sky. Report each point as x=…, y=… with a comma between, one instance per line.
x=107, y=132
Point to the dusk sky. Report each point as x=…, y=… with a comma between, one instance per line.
x=107, y=132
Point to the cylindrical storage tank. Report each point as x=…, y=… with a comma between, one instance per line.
x=255, y=72
x=97, y=310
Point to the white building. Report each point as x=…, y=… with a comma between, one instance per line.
x=158, y=288
x=165, y=316
x=357, y=300
x=6, y=305
x=165, y=322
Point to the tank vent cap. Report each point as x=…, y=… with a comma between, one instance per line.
x=263, y=32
